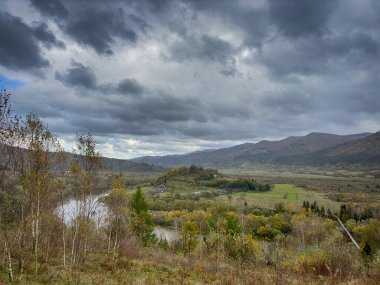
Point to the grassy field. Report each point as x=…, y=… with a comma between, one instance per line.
x=286, y=193
x=311, y=174
x=329, y=187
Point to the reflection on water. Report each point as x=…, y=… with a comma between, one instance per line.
x=166, y=234
x=92, y=205
x=98, y=210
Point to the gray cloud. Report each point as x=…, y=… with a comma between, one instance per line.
x=18, y=47
x=129, y=86
x=44, y=35
x=97, y=26
x=99, y=29
x=207, y=49
x=78, y=76
x=252, y=20
x=300, y=18
x=195, y=70
x=81, y=76
x=289, y=102
x=319, y=54
x=145, y=112
x=202, y=48
x=52, y=8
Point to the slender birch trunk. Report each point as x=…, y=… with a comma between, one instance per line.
x=10, y=269
x=63, y=231
x=37, y=233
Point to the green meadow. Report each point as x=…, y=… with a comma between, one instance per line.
x=285, y=193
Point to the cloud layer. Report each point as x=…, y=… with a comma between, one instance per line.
x=156, y=77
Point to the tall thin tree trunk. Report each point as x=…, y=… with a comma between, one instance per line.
x=47, y=251
x=63, y=232
x=21, y=244
x=114, y=248
x=85, y=248
x=73, y=244
x=109, y=240
x=10, y=270
x=37, y=233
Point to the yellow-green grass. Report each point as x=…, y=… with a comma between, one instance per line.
x=291, y=196
x=311, y=174
x=286, y=193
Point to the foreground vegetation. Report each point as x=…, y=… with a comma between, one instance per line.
x=225, y=229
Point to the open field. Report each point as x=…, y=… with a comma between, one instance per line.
x=339, y=185
x=313, y=174
x=285, y=193
x=329, y=187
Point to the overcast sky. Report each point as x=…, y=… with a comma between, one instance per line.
x=162, y=77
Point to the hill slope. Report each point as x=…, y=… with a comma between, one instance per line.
x=111, y=164
x=287, y=151
x=360, y=151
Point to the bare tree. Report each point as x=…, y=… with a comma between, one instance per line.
x=10, y=140
x=84, y=169
x=36, y=174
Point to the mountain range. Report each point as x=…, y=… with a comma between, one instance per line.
x=314, y=149
x=110, y=164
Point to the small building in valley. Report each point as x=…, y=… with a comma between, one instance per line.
x=160, y=189
x=222, y=192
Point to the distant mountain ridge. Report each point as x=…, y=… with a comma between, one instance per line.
x=311, y=149
x=111, y=164
x=364, y=151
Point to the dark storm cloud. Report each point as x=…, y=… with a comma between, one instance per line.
x=165, y=108
x=316, y=37
x=206, y=49
x=142, y=111
x=299, y=18
x=153, y=113
x=99, y=29
x=43, y=34
x=78, y=76
x=98, y=25
x=19, y=47
x=51, y=8
x=129, y=86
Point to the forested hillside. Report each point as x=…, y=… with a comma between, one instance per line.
x=292, y=150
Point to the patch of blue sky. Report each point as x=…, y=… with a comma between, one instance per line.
x=9, y=84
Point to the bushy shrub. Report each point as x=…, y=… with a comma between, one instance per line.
x=375, y=265
x=243, y=248
x=337, y=259
x=189, y=235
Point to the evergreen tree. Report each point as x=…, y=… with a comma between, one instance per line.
x=367, y=249
x=138, y=202
x=322, y=212
x=142, y=222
